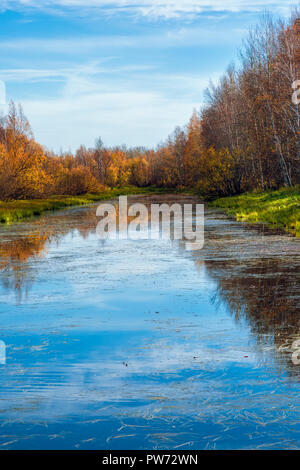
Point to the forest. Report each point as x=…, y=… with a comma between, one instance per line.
x=245, y=138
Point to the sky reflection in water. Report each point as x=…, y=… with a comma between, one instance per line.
x=141, y=344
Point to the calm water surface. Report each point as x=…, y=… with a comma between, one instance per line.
x=143, y=345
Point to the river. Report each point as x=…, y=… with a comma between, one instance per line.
x=141, y=344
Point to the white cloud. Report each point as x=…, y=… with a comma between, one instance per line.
x=120, y=113
x=122, y=104
x=185, y=36
x=127, y=103
x=150, y=8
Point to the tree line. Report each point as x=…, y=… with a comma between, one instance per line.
x=246, y=137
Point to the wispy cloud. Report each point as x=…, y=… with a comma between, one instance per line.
x=89, y=70
x=154, y=8
x=119, y=116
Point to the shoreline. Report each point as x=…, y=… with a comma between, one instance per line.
x=277, y=209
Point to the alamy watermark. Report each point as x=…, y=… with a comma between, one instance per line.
x=175, y=222
x=2, y=352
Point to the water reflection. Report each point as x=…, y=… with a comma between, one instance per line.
x=137, y=344
x=22, y=244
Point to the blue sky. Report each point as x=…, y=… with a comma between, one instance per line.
x=126, y=70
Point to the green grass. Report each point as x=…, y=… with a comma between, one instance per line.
x=280, y=209
x=14, y=211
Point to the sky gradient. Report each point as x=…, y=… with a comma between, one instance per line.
x=128, y=71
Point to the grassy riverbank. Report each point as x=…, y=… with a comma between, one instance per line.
x=14, y=211
x=275, y=208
